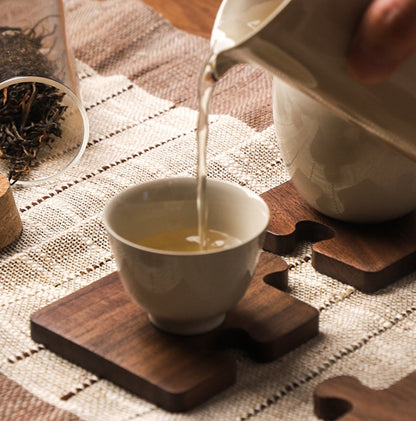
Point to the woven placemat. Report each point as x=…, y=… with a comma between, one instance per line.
x=138, y=79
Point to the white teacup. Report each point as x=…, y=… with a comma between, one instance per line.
x=185, y=292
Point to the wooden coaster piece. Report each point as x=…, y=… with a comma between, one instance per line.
x=10, y=222
x=344, y=397
x=366, y=256
x=101, y=329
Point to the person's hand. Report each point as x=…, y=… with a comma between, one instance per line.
x=385, y=38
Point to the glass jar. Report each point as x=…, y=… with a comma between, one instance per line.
x=44, y=126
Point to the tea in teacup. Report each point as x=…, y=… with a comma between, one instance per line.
x=188, y=240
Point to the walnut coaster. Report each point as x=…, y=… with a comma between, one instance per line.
x=345, y=398
x=366, y=256
x=10, y=222
x=101, y=329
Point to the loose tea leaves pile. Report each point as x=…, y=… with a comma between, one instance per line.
x=30, y=112
x=30, y=115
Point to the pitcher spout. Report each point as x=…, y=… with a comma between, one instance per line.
x=235, y=29
x=221, y=63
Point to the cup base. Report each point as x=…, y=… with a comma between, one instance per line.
x=187, y=328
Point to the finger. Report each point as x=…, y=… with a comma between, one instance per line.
x=385, y=38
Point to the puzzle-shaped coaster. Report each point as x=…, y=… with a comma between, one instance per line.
x=101, y=329
x=345, y=398
x=366, y=256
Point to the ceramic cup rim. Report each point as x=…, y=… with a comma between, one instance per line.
x=112, y=203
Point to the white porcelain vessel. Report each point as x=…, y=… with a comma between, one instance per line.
x=339, y=138
x=305, y=43
x=185, y=293
x=339, y=168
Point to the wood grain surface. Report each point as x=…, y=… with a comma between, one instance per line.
x=101, y=329
x=366, y=256
x=193, y=16
x=345, y=398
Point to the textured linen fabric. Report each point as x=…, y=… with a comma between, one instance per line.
x=18, y=404
x=138, y=79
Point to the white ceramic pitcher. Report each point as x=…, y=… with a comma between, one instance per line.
x=350, y=149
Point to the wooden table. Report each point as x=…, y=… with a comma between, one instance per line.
x=194, y=16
